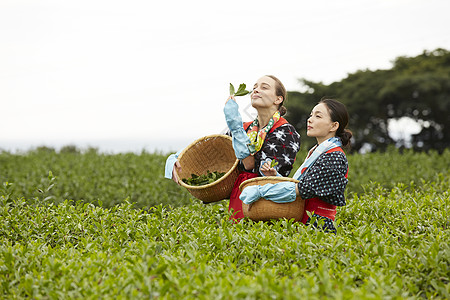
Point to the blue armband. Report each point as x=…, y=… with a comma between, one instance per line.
x=170, y=162
x=281, y=192
x=238, y=134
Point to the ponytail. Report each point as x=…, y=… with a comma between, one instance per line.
x=345, y=137
x=282, y=109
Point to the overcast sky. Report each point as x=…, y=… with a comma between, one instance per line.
x=159, y=71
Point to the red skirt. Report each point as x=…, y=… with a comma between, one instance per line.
x=319, y=207
x=235, y=203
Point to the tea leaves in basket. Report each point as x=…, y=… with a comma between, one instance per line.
x=198, y=180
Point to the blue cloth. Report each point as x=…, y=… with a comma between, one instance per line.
x=281, y=192
x=238, y=134
x=285, y=191
x=320, y=149
x=170, y=162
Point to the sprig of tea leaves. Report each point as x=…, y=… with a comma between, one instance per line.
x=273, y=163
x=240, y=92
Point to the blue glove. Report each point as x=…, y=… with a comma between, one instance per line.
x=238, y=134
x=281, y=192
x=170, y=162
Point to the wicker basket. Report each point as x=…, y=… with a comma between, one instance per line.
x=266, y=210
x=213, y=153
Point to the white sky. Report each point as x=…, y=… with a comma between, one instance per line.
x=160, y=70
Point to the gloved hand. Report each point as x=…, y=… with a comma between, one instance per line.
x=265, y=168
x=239, y=136
x=281, y=192
x=170, y=162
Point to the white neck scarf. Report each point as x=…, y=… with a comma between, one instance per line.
x=315, y=153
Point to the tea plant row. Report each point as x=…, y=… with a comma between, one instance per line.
x=391, y=244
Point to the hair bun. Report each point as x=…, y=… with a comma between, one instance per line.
x=345, y=137
x=282, y=110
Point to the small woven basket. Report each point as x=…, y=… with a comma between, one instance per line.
x=266, y=210
x=213, y=153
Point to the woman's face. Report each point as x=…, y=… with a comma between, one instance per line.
x=264, y=93
x=320, y=125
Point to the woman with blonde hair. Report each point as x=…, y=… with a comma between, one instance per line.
x=269, y=136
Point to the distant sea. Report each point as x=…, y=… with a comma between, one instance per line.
x=110, y=146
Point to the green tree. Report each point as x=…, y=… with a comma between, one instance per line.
x=420, y=89
x=415, y=87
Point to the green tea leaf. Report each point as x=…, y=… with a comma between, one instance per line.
x=273, y=163
x=241, y=87
x=204, y=179
x=242, y=93
x=231, y=90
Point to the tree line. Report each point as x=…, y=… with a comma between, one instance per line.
x=415, y=87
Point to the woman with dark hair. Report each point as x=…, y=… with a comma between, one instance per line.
x=269, y=136
x=323, y=175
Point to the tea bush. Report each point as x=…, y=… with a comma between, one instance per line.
x=391, y=244
x=91, y=176
x=90, y=225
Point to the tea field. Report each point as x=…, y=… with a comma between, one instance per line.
x=81, y=224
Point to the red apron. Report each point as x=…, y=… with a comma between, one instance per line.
x=235, y=202
x=320, y=207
